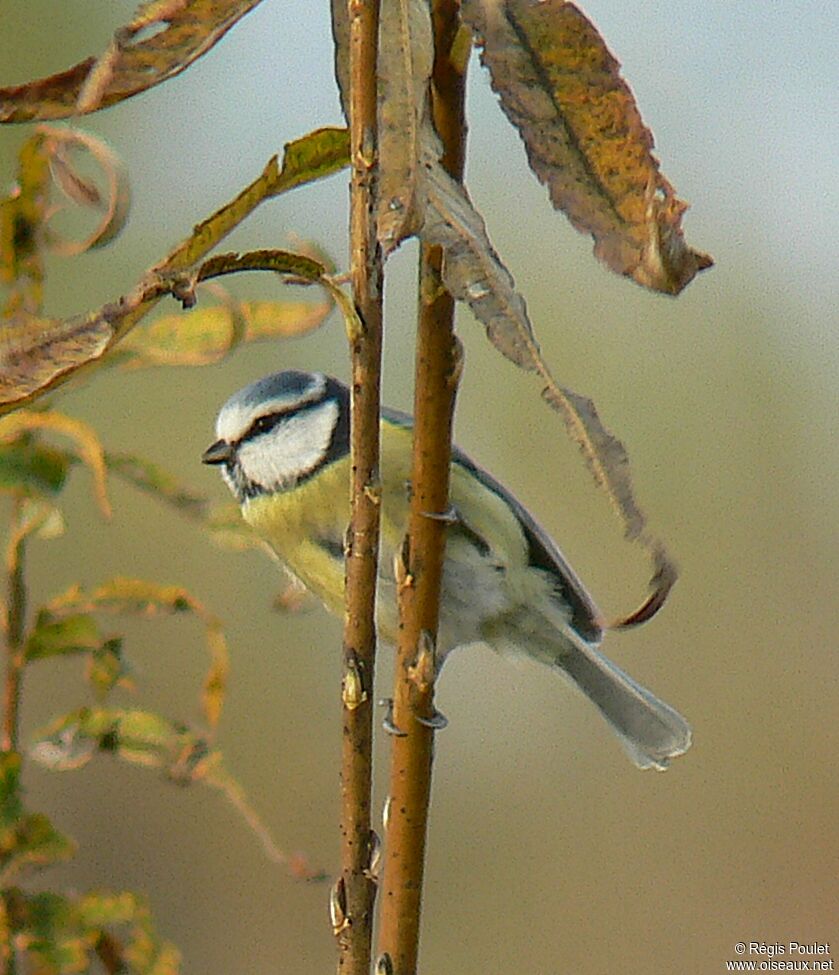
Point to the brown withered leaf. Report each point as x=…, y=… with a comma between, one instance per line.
x=60, y=145
x=340, y=12
x=474, y=273
x=585, y=139
x=406, y=54
x=35, y=352
x=139, y=57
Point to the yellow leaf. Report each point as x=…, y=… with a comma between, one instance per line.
x=206, y=335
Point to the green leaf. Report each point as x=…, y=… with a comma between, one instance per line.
x=139, y=737
x=22, y=217
x=144, y=598
x=107, y=668
x=70, y=935
x=31, y=843
x=32, y=466
x=38, y=354
x=88, y=448
x=53, y=637
x=315, y=155
x=10, y=804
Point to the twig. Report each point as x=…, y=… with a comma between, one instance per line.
x=353, y=894
x=14, y=626
x=437, y=373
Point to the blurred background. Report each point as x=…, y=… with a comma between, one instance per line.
x=548, y=851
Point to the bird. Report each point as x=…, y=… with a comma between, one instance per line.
x=284, y=451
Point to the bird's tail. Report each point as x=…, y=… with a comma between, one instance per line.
x=651, y=731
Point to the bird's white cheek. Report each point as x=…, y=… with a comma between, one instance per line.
x=279, y=458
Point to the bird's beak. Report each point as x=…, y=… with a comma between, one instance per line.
x=218, y=453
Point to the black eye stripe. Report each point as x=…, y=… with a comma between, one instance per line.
x=266, y=423
x=269, y=421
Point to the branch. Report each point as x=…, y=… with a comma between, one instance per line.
x=14, y=626
x=421, y=568
x=353, y=894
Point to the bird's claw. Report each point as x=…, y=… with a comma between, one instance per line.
x=388, y=723
x=436, y=721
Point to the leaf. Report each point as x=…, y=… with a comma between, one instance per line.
x=38, y=354
x=37, y=517
x=341, y=46
x=208, y=335
x=136, y=59
x=320, y=153
x=561, y=88
x=60, y=146
x=139, y=737
x=154, y=480
x=26, y=464
x=84, y=437
x=107, y=669
x=148, y=739
x=23, y=214
x=473, y=272
x=10, y=795
x=139, y=597
x=406, y=54
x=73, y=934
x=51, y=637
x=30, y=844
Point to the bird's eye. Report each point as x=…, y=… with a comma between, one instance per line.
x=264, y=424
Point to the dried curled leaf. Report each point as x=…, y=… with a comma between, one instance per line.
x=340, y=14
x=60, y=146
x=406, y=54
x=585, y=139
x=163, y=38
x=474, y=273
x=36, y=353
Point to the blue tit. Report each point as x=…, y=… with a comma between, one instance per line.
x=283, y=449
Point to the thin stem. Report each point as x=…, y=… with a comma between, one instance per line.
x=14, y=628
x=352, y=899
x=436, y=375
